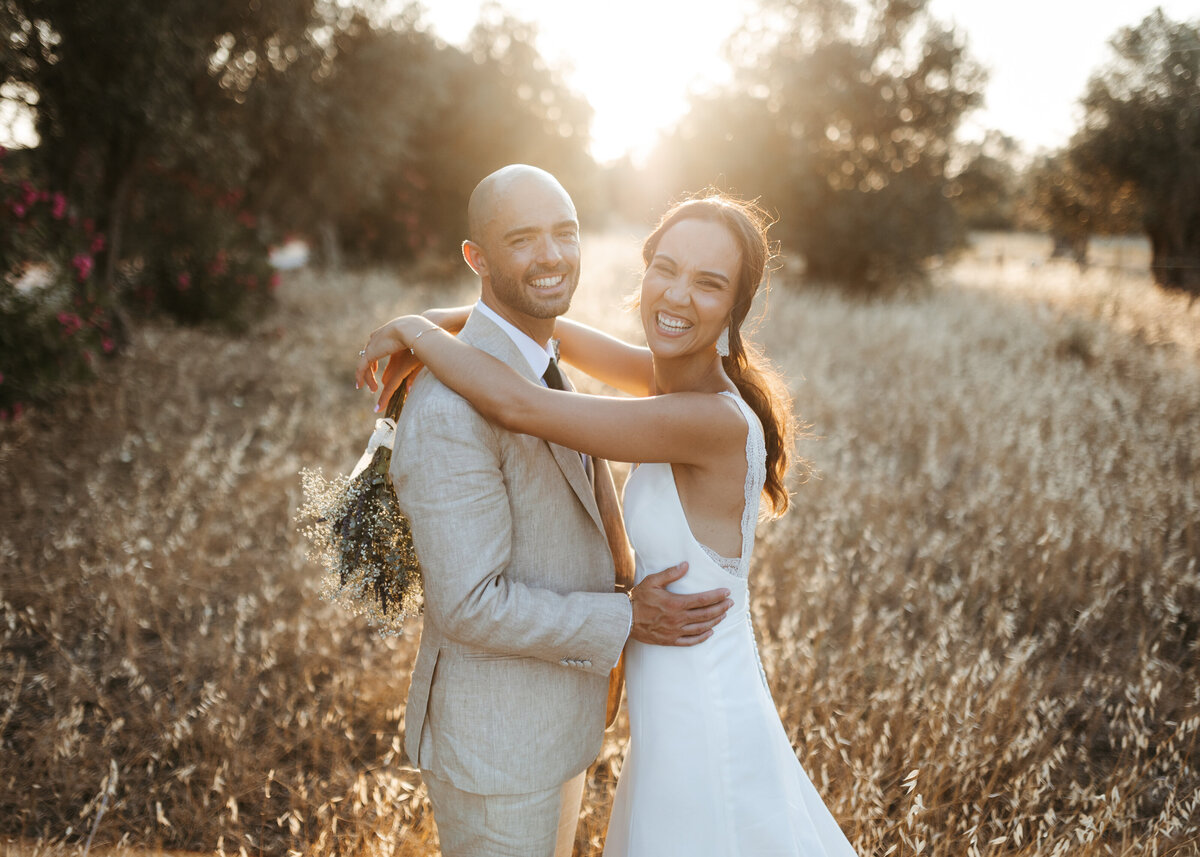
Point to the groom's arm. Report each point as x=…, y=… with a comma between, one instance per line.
x=446, y=470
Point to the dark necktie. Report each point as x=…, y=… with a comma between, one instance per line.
x=553, y=377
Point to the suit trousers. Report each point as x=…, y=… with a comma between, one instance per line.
x=537, y=824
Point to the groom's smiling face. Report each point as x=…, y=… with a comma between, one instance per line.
x=530, y=249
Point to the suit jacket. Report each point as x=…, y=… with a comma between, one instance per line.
x=522, y=625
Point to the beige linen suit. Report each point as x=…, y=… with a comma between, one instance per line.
x=521, y=622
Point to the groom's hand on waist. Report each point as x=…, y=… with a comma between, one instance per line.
x=663, y=618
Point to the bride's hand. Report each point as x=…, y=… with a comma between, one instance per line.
x=388, y=341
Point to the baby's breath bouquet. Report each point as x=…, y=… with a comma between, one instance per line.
x=356, y=532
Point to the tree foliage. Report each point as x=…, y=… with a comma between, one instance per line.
x=193, y=133
x=987, y=189
x=1142, y=130
x=121, y=84
x=843, y=123
x=1073, y=204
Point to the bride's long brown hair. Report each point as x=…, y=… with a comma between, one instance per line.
x=757, y=381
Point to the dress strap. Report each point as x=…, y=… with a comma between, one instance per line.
x=756, y=477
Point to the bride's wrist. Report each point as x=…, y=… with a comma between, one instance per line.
x=418, y=328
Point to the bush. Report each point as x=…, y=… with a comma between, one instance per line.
x=196, y=254
x=56, y=318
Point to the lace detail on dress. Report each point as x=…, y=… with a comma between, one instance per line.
x=756, y=477
x=729, y=563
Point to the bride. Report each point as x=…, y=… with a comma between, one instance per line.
x=710, y=770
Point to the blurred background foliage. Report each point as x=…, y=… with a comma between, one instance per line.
x=192, y=134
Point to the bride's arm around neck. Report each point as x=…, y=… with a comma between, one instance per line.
x=625, y=367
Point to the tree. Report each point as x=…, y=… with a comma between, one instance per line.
x=121, y=82
x=1073, y=204
x=1142, y=128
x=842, y=125
x=985, y=190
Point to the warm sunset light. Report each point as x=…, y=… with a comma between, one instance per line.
x=636, y=60
x=432, y=428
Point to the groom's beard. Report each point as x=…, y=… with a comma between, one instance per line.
x=522, y=296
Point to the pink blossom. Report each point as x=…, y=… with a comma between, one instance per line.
x=97, y=243
x=219, y=265
x=108, y=345
x=1, y=373
x=185, y=281
x=71, y=323
x=59, y=207
x=29, y=193
x=18, y=209
x=83, y=265
x=18, y=410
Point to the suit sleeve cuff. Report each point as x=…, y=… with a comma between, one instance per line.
x=628, y=630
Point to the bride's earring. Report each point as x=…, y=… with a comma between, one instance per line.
x=723, y=342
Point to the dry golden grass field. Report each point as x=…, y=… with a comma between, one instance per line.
x=981, y=619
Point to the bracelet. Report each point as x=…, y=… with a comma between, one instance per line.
x=413, y=344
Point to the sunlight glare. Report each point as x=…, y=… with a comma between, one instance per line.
x=635, y=62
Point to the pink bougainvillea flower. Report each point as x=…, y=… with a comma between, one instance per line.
x=29, y=194
x=83, y=265
x=71, y=323
x=97, y=243
x=108, y=345
x=59, y=207
x=185, y=281
x=219, y=265
x=18, y=410
x=18, y=209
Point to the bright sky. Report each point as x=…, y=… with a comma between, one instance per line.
x=635, y=60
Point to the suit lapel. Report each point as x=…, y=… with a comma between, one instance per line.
x=481, y=332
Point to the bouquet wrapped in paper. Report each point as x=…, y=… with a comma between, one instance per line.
x=356, y=532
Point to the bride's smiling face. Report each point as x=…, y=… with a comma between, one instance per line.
x=689, y=287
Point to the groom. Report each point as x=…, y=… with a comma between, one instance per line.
x=517, y=539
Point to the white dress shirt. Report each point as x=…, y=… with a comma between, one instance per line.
x=536, y=355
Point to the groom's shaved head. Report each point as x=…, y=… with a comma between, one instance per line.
x=490, y=193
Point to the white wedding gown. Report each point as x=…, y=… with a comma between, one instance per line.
x=710, y=771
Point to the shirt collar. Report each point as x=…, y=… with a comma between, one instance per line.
x=535, y=355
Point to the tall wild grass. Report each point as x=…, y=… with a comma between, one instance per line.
x=981, y=620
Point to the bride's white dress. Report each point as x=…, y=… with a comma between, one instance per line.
x=710, y=770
